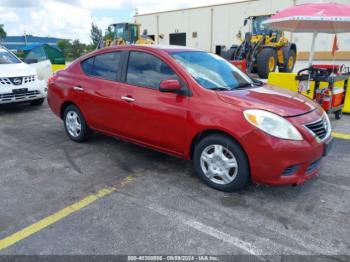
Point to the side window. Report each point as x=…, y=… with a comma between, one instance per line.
x=105, y=66
x=88, y=66
x=147, y=70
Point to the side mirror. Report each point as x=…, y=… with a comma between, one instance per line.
x=30, y=60
x=170, y=85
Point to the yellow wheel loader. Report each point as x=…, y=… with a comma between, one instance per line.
x=262, y=50
x=127, y=33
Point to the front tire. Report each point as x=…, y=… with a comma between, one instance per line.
x=221, y=163
x=75, y=124
x=266, y=62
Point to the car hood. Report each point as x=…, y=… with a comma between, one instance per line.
x=13, y=70
x=279, y=101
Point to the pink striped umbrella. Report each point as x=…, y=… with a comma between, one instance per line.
x=331, y=18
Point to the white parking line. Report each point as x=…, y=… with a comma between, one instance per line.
x=246, y=246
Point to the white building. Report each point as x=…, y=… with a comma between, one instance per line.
x=208, y=26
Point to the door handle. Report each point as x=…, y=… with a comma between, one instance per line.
x=78, y=88
x=128, y=99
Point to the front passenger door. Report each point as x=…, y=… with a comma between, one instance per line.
x=152, y=117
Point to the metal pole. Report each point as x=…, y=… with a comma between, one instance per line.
x=312, y=52
x=25, y=38
x=211, y=29
x=292, y=34
x=158, y=29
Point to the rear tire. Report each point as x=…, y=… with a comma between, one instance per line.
x=37, y=102
x=289, y=57
x=75, y=124
x=221, y=163
x=266, y=62
x=229, y=54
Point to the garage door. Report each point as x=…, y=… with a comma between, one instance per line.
x=177, y=39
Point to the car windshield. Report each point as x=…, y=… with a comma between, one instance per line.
x=7, y=57
x=211, y=71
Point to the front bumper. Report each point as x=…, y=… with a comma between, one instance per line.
x=35, y=90
x=275, y=161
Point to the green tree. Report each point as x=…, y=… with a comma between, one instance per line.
x=77, y=49
x=95, y=34
x=2, y=32
x=64, y=45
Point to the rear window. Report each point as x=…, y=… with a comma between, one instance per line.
x=104, y=66
x=8, y=58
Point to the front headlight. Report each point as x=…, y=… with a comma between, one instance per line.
x=272, y=124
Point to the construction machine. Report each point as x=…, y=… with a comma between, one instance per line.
x=127, y=33
x=261, y=50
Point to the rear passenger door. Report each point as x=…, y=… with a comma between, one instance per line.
x=99, y=90
x=153, y=117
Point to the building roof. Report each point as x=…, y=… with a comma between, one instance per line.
x=22, y=42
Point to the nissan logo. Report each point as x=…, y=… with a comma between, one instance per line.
x=17, y=81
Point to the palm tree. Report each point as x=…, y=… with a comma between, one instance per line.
x=2, y=32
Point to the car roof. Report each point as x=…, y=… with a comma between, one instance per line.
x=172, y=48
x=166, y=48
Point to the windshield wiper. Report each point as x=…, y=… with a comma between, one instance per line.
x=257, y=82
x=244, y=85
x=220, y=89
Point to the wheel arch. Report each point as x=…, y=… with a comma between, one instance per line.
x=269, y=47
x=207, y=132
x=65, y=105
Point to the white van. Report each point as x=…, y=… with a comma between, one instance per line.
x=19, y=82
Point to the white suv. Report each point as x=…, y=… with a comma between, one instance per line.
x=19, y=82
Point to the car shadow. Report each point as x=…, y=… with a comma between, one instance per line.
x=17, y=108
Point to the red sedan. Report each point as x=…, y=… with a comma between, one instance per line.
x=195, y=105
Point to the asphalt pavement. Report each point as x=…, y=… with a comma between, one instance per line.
x=154, y=203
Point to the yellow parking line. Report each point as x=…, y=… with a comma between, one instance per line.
x=341, y=135
x=43, y=223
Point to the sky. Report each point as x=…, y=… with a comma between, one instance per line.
x=71, y=19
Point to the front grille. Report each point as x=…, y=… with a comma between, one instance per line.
x=11, y=80
x=17, y=81
x=313, y=166
x=17, y=97
x=5, y=81
x=319, y=128
x=28, y=79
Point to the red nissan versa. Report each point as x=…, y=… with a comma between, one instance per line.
x=194, y=105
